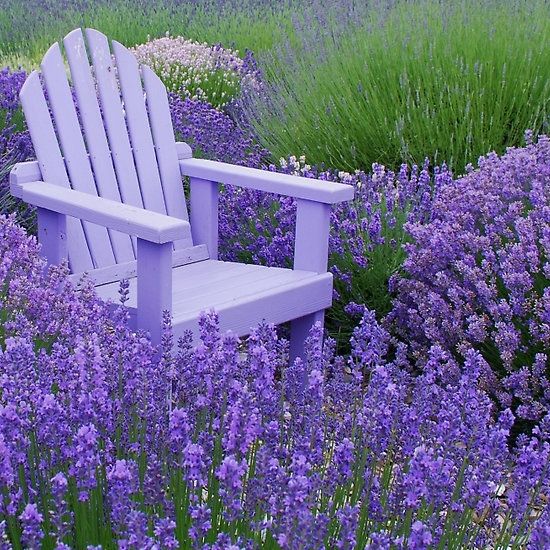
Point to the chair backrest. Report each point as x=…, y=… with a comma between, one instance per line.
x=111, y=135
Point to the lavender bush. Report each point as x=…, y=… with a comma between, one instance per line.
x=198, y=71
x=103, y=442
x=213, y=134
x=15, y=143
x=367, y=234
x=477, y=274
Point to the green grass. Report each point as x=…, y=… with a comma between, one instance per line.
x=350, y=85
x=447, y=80
x=24, y=40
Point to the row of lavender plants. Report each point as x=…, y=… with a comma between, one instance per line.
x=104, y=443
x=409, y=441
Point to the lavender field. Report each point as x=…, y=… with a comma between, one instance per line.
x=420, y=417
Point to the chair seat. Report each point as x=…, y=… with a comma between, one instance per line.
x=242, y=294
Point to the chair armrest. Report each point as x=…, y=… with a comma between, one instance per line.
x=311, y=189
x=145, y=224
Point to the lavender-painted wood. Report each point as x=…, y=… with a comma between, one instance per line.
x=138, y=129
x=299, y=331
x=165, y=147
x=244, y=285
x=147, y=166
x=183, y=150
x=26, y=171
x=52, y=235
x=218, y=281
x=296, y=295
x=152, y=226
x=96, y=140
x=206, y=275
x=275, y=305
x=74, y=150
x=113, y=117
x=51, y=163
x=204, y=214
x=311, y=253
x=154, y=286
x=240, y=317
x=282, y=184
x=128, y=270
x=312, y=230
x=210, y=272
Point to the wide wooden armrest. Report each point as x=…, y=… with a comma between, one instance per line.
x=145, y=224
x=311, y=189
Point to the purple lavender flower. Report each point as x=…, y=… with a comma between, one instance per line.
x=347, y=517
x=201, y=523
x=86, y=460
x=60, y=517
x=379, y=541
x=476, y=274
x=15, y=143
x=195, y=464
x=243, y=424
x=213, y=134
x=122, y=483
x=540, y=536
x=180, y=429
x=137, y=532
x=420, y=537
x=230, y=473
x=31, y=521
x=300, y=454
x=7, y=475
x=165, y=533
x=343, y=460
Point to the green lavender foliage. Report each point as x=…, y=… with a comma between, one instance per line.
x=241, y=25
x=447, y=80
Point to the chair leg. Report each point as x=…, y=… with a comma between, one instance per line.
x=299, y=331
x=154, y=286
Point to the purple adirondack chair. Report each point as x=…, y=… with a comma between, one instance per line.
x=108, y=190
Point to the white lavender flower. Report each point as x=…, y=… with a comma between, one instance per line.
x=197, y=70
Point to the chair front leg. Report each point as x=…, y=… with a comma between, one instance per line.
x=154, y=286
x=52, y=235
x=204, y=214
x=310, y=254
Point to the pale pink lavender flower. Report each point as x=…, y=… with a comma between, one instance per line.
x=197, y=70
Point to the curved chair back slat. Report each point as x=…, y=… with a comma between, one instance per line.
x=112, y=137
x=96, y=138
x=139, y=129
x=165, y=146
x=51, y=163
x=73, y=148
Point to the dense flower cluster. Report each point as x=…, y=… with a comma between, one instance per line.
x=366, y=235
x=477, y=274
x=15, y=143
x=213, y=134
x=103, y=442
x=212, y=74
